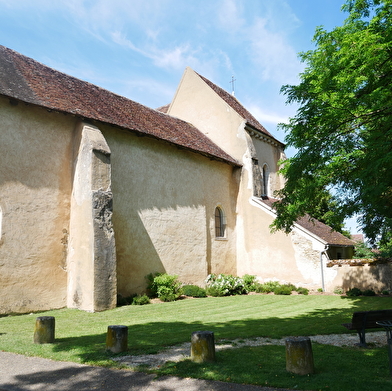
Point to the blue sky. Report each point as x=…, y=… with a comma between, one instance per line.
x=140, y=48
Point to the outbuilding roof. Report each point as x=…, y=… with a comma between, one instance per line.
x=24, y=79
x=316, y=227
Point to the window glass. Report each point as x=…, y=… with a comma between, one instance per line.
x=220, y=224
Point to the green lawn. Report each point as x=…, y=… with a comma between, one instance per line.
x=80, y=337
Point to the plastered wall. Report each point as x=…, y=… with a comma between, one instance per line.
x=163, y=211
x=376, y=277
x=35, y=177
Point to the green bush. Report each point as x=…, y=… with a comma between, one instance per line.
x=338, y=291
x=152, y=288
x=385, y=293
x=215, y=292
x=283, y=290
x=224, y=285
x=250, y=282
x=369, y=292
x=121, y=300
x=164, y=286
x=194, y=291
x=268, y=287
x=303, y=291
x=141, y=300
x=354, y=292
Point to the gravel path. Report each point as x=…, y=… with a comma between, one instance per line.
x=181, y=352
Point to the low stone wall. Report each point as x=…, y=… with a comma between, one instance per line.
x=360, y=273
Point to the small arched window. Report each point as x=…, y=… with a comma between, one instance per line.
x=220, y=223
x=265, y=180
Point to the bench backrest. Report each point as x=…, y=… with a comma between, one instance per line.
x=370, y=318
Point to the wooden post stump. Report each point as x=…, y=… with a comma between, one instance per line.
x=299, y=355
x=117, y=339
x=202, y=346
x=44, y=329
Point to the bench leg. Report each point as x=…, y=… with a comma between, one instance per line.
x=362, y=338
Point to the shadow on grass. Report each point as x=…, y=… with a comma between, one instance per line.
x=152, y=337
x=337, y=369
x=265, y=364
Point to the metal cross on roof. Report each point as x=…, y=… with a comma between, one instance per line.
x=232, y=84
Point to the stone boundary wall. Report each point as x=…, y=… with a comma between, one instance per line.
x=361, y=273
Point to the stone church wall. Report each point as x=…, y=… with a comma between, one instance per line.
x=35, y=179
x=164, y=201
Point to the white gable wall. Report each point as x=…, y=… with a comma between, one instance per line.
x=198, y=104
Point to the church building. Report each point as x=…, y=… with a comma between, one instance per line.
x=97, y=191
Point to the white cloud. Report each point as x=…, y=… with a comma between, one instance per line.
x=230, y=16
x=264, y=116
x=277, y=58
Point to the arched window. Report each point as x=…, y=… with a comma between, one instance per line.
x=220, y=223
x=265, y=180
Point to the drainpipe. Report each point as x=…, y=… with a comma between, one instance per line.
x=322, y=268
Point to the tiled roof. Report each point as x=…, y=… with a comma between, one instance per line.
x=237, y=106
x=316, y=227
x=25, y=79
x=324, y=232
x=163, y=109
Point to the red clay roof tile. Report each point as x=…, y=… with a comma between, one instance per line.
x=316, y=227
x=25, y=79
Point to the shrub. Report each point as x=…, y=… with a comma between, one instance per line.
x=385, y=293
x=369, y=292
x=320, y=290
x=152, y=288
x=194, y=291
x=215, y=292
x=338, y=291
x=224, y=285
x=250, y=282
x=291, y=286
x=164, y=286
x=283, y=290
x=121, y=300
x=141, y=300
x=268, y=287
x=303, y=291
x=354, y=292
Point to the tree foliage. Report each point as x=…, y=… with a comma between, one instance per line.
x=342, y=130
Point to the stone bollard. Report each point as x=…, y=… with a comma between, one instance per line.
x=299, y=355
x=117, y=339
x=202, y=346
x=44, y=329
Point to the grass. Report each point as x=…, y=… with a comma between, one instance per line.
x=80, y=337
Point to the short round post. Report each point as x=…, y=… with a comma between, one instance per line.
x=117, y=339
x=44, y=329
x=202, y=346
x=299, y=355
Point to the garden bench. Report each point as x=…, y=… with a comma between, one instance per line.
x=363, y=320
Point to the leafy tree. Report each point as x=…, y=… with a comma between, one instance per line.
x=342, y=130
x=363, y=251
